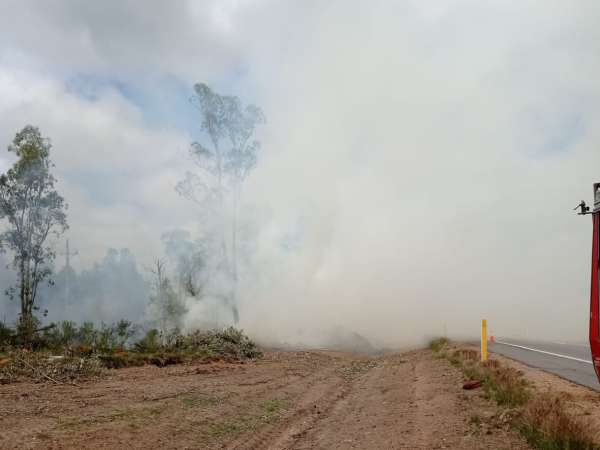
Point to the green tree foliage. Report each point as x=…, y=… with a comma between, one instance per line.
x=34, y=211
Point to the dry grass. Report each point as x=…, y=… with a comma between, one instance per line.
x=505, y=385
x=491, y=363
x=467, y=354
x=546, y=423
x=543, y=419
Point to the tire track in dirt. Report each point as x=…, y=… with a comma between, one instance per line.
x=410, y=401
x=443, y=411
x=319, y=393
x=377, y=404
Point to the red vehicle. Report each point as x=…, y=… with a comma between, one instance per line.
x=594, y=299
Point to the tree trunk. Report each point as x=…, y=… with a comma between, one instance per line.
x=234, y=261
x=26, y=325
x=22, y=291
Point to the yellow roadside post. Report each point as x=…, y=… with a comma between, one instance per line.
x=484, y=352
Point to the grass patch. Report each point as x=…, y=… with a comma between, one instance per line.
x=475, y=424
x=543, y=419
x=198, y=401
x=272, y=409
x=220, y=430
x=475, y=420
x=266, y=413
x=129, y=415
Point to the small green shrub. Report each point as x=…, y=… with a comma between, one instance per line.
x=436, y=345
x=115, y=336
x=150, y=343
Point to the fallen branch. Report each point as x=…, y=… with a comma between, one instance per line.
x=47, y=376
x=47, y=327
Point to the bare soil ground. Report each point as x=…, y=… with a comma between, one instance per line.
x=287, y=400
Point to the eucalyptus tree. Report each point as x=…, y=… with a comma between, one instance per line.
x=190, y=260
x=223, y=164
x=33, y=212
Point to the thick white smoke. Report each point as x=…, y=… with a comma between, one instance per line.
x=424, y=165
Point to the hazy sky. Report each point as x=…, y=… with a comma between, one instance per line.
x=424, y=160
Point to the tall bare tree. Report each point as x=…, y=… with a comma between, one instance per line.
x=223, y=166
x=33, y=212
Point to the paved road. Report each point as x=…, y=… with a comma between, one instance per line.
x=578, y=371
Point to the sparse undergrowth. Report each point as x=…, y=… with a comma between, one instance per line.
x=543, y=419
x=81, y=361
x=41, y=366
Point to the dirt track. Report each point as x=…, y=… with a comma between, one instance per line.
x=288, y=400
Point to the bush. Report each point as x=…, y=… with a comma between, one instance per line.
x=230, y=344
x=86, y=335
x=150, y=343
x=111, y=337
x=438, y=344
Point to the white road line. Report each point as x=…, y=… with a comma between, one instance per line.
x=571, y=344
x=545, y=352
